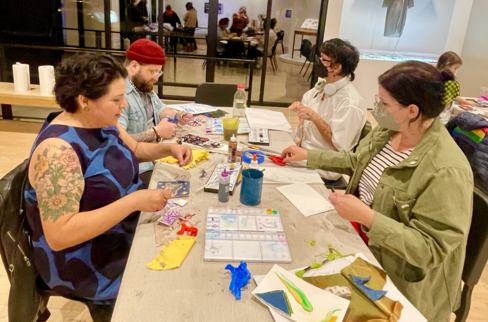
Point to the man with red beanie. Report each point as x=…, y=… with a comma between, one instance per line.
x=146, y=117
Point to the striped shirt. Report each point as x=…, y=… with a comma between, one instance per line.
x=372, y=174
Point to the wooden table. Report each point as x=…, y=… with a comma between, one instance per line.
x=9, y=97
x=198, y=290
x=303, y=32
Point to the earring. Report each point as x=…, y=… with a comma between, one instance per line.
x=86, y=108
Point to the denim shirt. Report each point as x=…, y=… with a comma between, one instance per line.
x=134, y=118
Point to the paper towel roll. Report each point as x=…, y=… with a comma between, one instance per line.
x=46, y=80
x=21, y=77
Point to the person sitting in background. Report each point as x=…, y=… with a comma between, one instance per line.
x=240, y=20
x=415, y=189
x=222, y=33
x=171, y=17
x=83, y=196
x=146, y=118
x=333, y=113
x=191, y=23
x=271, y=42
x=135, y=16
x=142, y=7
x=452, y=62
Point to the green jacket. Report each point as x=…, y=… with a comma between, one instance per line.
x=423, y=209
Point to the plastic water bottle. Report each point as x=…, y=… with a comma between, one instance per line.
x=240, y=101
x=224, y=187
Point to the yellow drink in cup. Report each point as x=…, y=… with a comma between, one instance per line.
x=231, y=124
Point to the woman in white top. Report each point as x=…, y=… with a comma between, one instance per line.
x=333, y=113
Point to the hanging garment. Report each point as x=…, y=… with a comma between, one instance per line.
x=396, y=15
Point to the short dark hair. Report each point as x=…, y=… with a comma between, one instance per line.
x=168, y=7
x=342, y=52
x=223, y=22
x=273, y=23
x=189, y=6
x=89, y=75
x=418, y=83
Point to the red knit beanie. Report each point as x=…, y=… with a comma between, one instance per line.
x=147, y=52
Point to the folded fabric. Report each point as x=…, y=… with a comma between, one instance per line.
x=198, y=155
x=173, y=254
x=360, y=282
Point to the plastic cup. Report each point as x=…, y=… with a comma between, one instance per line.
x=231, y=124
x=252, y=186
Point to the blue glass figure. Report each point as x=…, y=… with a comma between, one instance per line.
x=240, y=278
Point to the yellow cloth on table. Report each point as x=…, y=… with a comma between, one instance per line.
x=173, y=254
x=198, y=155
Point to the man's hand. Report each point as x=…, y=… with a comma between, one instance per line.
x=182, y=154
x=166, y=129
x=184, y=117
x=294, y=106
x=293, y=154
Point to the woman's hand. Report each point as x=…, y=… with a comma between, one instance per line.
x=184, y=117
x=294, y=153
x=182, y=154
x=304, y=112
x=294, y=106
x=351, y=208
x=152, y=200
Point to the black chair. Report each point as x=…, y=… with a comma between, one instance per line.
x=341, y=183
x=280, y=36
x=216, y=94
x=476, y=252
x=305, y=50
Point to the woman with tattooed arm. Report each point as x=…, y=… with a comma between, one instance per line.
x=84, y=197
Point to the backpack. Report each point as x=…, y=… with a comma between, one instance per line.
x=25, y=304
x=469, y=131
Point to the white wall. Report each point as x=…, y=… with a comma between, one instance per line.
x=426, y=28
x=474, y=72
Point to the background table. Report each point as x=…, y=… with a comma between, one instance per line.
x=198, y=290
x=33, y=97
x=303, y=32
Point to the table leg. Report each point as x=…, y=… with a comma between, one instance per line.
x=7, y=112
x=293, y=46
x=301, y=43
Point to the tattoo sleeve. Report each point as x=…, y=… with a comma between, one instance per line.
x=324, y=129
x=146, y=136
x=58, y=181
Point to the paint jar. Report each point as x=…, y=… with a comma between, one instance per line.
x=252, y=186
x=231, y=125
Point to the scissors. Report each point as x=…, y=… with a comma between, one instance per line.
x=278, y=161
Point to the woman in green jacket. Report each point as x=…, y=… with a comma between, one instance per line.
x=411, y=189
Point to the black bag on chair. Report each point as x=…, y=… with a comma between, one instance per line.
x=25, y=304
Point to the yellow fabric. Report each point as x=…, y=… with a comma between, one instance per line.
x=173, y=254
x=198, y=155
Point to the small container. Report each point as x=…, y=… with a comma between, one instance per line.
x=254, y=163
x=252, y=186
x=232, y=149
x=224, y=186
x=239, y=155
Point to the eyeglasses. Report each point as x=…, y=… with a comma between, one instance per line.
x=323, y=60
x=157, y=74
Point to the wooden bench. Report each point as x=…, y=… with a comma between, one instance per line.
x=33, y=97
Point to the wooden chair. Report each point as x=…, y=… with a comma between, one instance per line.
x=280, y=36
x=476, y=252
x=216, y=94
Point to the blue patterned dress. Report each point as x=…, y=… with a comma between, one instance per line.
x=91, y=270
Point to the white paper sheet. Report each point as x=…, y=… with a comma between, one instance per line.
x=322, y=302
x=409, y=312
x=306, y=199
x=266, y=119
x=291, y=175
x=193, y=108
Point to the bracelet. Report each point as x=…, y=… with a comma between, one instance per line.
x=156, y=132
